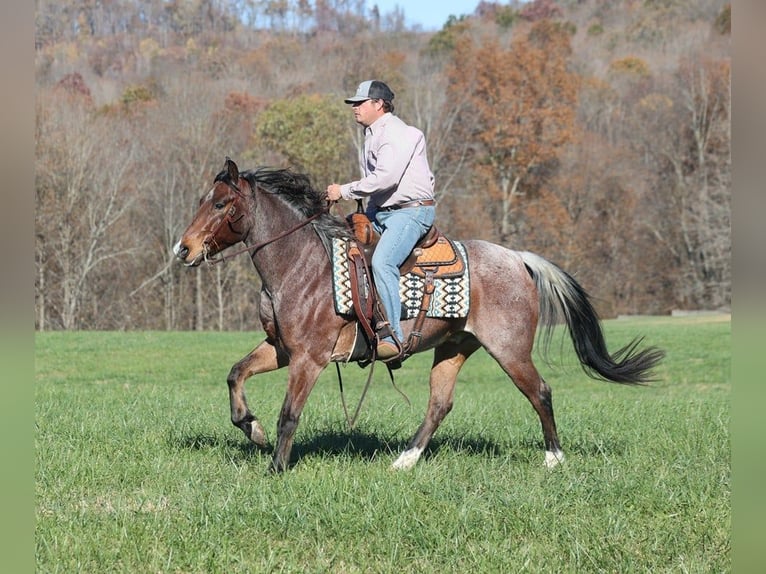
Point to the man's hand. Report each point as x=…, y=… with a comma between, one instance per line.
x=333, y=192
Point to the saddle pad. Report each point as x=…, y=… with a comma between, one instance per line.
x=451, y=297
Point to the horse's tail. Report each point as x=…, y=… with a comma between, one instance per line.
x=560, y=295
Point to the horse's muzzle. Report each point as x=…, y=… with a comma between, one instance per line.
x=182, y=252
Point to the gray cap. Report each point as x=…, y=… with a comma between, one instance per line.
x=371, y=90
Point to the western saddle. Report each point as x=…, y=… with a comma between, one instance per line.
x=434, y=256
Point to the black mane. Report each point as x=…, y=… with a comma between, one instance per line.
x=296, y=189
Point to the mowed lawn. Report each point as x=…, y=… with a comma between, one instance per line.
x=138, y=468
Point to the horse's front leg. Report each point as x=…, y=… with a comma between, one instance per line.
x=264, y=358
x=303, y=374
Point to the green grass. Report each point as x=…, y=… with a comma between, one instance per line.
x=139, y=469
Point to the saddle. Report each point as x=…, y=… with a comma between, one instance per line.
x=433, y=257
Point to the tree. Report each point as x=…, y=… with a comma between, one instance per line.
x=436, y=111
x=684, y=133
x=521, y=110
x=80, y=203
x=195, y=127
x=310, y=133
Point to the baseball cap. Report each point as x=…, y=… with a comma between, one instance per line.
x=371, y=90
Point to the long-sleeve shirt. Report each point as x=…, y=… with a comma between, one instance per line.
x=394, y=164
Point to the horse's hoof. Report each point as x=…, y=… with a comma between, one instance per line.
x=407, y=459
x=257, y=435
x=553, y=458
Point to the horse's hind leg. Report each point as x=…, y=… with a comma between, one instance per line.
x=448, y=359
x=533, y=386
x=264, y=358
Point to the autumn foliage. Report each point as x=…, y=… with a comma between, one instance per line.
x=594, y=133
x=520, y=111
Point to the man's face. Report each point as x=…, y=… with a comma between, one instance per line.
x=366, y=112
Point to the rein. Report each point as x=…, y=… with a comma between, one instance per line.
x=263, y=244
x=352, y=420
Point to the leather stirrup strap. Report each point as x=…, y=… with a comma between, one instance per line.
x=416, y=335
x=362, y=294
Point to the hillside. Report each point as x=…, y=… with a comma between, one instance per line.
x=604, y=143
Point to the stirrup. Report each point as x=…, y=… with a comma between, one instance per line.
x=385, y=350
x=383, y=330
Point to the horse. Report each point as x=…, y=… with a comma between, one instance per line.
x=285, y=225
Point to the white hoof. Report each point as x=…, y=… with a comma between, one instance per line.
x=257, y=434
x=407, y=459
x=553, y=458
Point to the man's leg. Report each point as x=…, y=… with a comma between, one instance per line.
x=401, y=231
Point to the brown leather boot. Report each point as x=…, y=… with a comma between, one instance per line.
x=387, y=350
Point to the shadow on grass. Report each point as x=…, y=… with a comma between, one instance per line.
x=361, y=445
x=203, y=442
x=353, y=443
x=367, y=446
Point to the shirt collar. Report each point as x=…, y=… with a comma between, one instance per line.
x=379, y=123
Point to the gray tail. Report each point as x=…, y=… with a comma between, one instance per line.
x=561, y=297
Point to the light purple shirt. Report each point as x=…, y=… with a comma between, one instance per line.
x=394, y=164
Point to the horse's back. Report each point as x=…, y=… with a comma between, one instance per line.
x=496, y=266
x=503, y=294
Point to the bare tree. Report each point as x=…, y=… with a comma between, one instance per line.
x=79, y=200
x=189, y=138
x=437, y=111
x=686, y=135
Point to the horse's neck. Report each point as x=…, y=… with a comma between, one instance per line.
x=287, y=262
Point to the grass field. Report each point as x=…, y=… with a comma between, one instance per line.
x=138, y=468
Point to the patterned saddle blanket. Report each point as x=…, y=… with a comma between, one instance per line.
x=450, y=298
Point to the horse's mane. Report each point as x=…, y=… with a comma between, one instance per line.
x=296, y=190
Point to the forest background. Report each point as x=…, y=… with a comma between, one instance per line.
x=595, y=133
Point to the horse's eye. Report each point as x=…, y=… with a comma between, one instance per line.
x=219, y=205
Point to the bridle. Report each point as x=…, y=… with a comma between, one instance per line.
x=262, y=244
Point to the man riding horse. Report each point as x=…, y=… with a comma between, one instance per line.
x=399, y=187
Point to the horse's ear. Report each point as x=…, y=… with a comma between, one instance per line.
x=232, y=169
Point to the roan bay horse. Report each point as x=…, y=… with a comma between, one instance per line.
x=269, y=211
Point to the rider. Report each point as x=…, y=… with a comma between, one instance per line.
x=399, y=186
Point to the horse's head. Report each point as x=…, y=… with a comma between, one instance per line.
x=220, y=220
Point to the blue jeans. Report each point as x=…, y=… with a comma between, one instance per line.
x=399, y=231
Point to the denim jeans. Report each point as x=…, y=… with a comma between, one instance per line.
x=400, y=230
